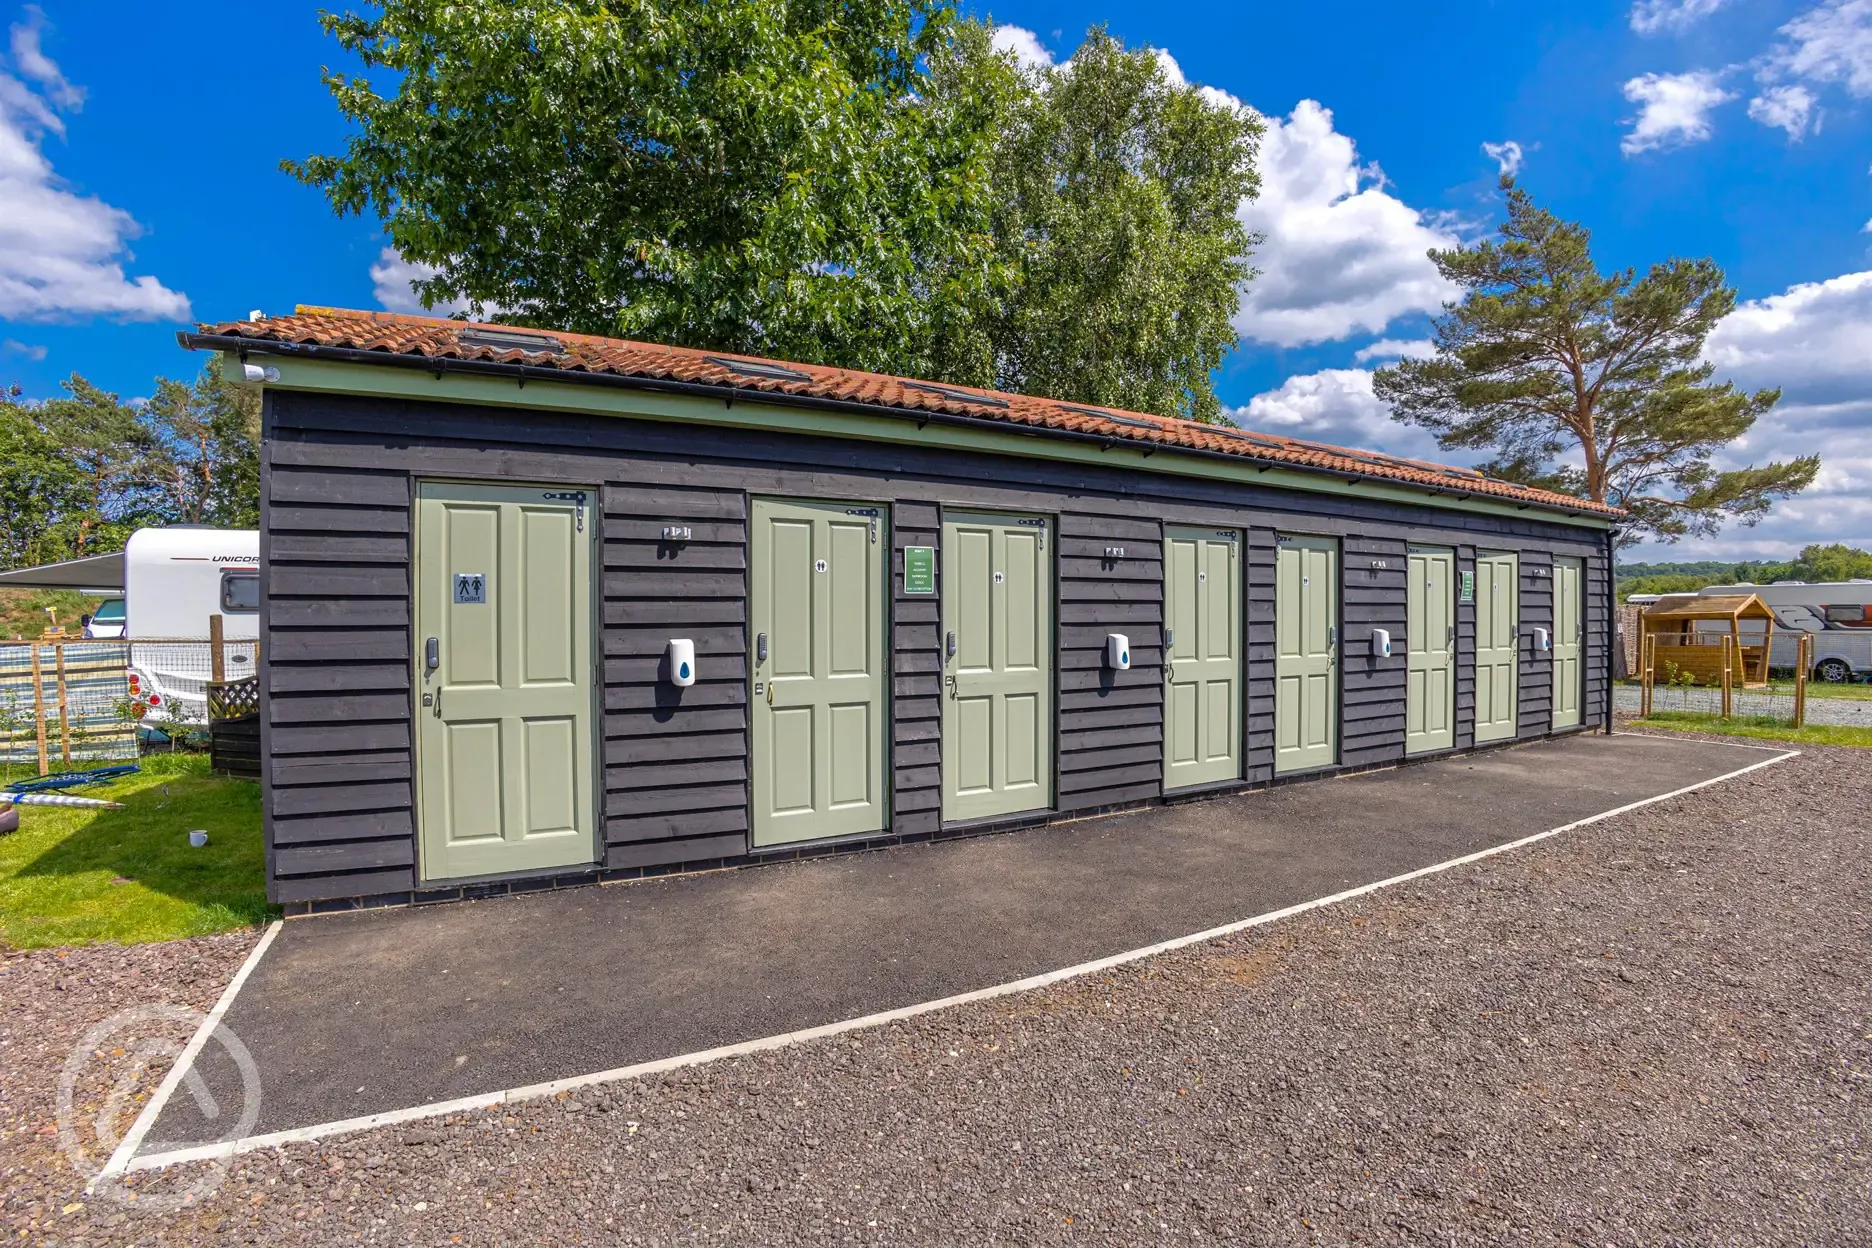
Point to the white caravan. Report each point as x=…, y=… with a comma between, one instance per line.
x=174, y=580
x=1837, y=613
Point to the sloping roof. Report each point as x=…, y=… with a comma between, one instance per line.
x=1677, y=607
x=94, y=573
x=399, y=337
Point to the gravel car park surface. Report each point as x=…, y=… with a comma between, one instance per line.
x=1654, y=1029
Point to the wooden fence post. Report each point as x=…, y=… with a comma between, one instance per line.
x=64, y=705
x=217, y=649
x=1728, y=676
x=1803, y=657
x=38, y=679
x=1647, y=670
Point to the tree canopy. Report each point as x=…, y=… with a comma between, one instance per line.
x=82, y=471
x=1590, y=382
x=864, y=184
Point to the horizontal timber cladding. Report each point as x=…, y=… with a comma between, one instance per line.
x=1534, y=680
x=1465, y=649
x=338, y=479
x=916, y=671
x=675, y=760
x=1371, y=718
x=1597, y=653
x=1110, y=722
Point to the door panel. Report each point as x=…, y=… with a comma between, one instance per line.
x=997, y=588
x=819, y=585
x=1498, y=649
x=1430, y=638
x=506, y=739
x=1202, y=658
x=1569, y=634
x=1306, y=628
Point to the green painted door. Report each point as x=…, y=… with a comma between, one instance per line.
x=1498, y=648
x=504, y=719
x=997, y=592
x=818, y=604
x=1306, y=660
x=1202, y=656
x=1569, y=634
x=1430, y=637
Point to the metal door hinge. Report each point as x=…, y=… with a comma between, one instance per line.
x=576, y=498
x=866, y=511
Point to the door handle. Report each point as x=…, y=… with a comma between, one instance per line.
x=770, y=685
x=1332, y=635
x=438, y=704
x=954, y=693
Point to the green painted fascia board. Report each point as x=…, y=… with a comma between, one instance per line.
x=748, y=412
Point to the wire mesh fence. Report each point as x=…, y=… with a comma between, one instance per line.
x=67, y=702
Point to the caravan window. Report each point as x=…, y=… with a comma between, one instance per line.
x=1851, y=613
x=240, y=591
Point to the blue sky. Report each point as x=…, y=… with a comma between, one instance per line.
x=139, y=188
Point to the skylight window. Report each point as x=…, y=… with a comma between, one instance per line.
x=757, y=368
x=957, y=394
x=510, y=340
x=1133, y=421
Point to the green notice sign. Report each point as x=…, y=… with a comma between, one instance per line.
x=1468, y=587
x=919, y=570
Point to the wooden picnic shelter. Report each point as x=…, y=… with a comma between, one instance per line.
x=1695, y=631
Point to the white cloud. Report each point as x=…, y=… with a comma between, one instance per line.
x=1342, y=255
x=32, y=351
x=1790, y=108
x=1396, y=349
x=1814, y=340
x=1028, y=51
x=1336, y=406
x=61, y=253
x=1673, y=109
x=392, y=279
x=1506, y=155
x=1831, y=42
x=1650, y=17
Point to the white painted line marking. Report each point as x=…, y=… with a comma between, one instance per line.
x=1666, y=734
x=297, y=1135
x=133, y=1139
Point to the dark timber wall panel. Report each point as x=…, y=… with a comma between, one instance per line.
x=1534, y=684
x=1597, y=653
x=676, y=760
x=1259, y=606
x=1465, y=651
x=916, y=669
x=1110, y=723
x=338, y=478
x=337, y=676
x=1372, y=722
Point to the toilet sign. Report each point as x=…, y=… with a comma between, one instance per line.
x=471, y=587
x=919, y=574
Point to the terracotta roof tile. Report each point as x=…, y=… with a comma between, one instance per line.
x=395, y=334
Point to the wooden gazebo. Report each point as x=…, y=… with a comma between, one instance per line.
x=1696, y=633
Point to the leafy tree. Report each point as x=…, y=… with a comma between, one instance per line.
x=761, y=178
x=1115, y=207
x=40, y=488
x=206, y=455
x=107, y=445
x=1546, y=359
x=1836, y=562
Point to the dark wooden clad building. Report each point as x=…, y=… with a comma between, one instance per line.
x=541, y=608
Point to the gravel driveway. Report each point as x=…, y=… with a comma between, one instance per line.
x=1654, y=1029
x=1850, y=712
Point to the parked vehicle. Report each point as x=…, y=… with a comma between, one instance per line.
x=174, y=580
x=107, y=622
x=1838, y=614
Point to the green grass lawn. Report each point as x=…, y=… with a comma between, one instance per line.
x=71, y=877
x=1762, y=727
